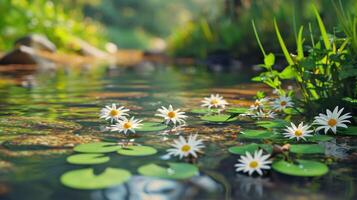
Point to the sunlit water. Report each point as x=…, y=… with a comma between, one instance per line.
x=70, y=100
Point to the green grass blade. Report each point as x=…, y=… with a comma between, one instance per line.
x=300, y=43
x=322, y=29
x=258, y=40
x=282, y=45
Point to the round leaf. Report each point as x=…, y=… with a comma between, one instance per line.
x=237, y=110
x=241, y=150
x=203, y=111
x=319, y=138
x=257, y=134
x=278, y=123
x=98, y=147
x=172, y=171
x=307, y=148
x=151, y=126
x=304, y=168
x=88, y=159
x=137, y=151
x=85, y=178
x=217, y=118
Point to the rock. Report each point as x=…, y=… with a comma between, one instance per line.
x=86, y=49
x=22, y=55
x=37, y=42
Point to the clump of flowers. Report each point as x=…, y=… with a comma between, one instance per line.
x=126, y=125
x=171, y=116
x=214, y=101
x=113, y=113
x=253, y=163
x=184, y=148
x=332, y=120
x=298, y=132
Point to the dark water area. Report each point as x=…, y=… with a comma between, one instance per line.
x=44, y=115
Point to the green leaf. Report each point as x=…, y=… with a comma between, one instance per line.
x=352, y=131
x=151, y=126
x=282, y=45
x=323, y=31
x=137, y=151
x=277, y=123
x=98, y=147
x=269, y=60
x=85, y=178
x=88, y=159
x=287, y=73
x=173, y=171
x=241, y=150
x=307, y=148
x=237, y=110
x=300, y=43
x=257, y=134
x=257, y=38
x=303, y=168
x=218, y=118
x=319, y=138
x=204, y=111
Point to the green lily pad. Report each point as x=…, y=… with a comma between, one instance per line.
x=137, y=151
x=151, y=126
x=278, y=123
x=88, y=159
x=204, y=111
x=257, y=134
x=319, y=138
x=352, y=130
x=218, y=118
x=291, y=111
x=85, y=178
x=241, y=150
x=304, y=168
x=98, y=147
x=173, y=171
x=307, y=148
x=237, y=110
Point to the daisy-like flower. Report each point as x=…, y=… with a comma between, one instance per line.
x=299, y=132
x=332, y=120
x=262, y=114
x=282, y=102
x=253, y=163
x=125, y=125
x=259, y=103
x=183, y=148
x=113, y=113
x=214, y=101
x=171, y=115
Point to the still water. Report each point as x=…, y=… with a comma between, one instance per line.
x=44, y=114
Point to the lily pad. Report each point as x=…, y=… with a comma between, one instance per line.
x=218, y=118
x=319, y=138
x=237, y=110
x=204, y=111
x=88, y=159
x=98, y=147
x=304, y=168
x=352, y=130
x=151, y=126
x=241, y=150
x=291, y=111
x=172, y=171
x=307, y=148
x=86, y=179
x=278, y=123
x=137, y=151
x=257, y=134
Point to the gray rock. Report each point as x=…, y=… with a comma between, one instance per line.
x=37, y=42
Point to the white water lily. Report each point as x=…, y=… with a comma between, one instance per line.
x=171, y=115
x=214, y=101
x=299, y=132
x=259, y=104
x=113, y=113
x=282, y=102
x=332, y=120
x=183, y=148
x=253, y=163
x=125, y=125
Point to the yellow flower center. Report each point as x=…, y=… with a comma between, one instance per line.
x=127, y=125
x=185, y=148
x=253, y=164
x=332, y=122
x=214, y=101
x=283, y=103
x=171, y=114
x=114, y=113
x=256, y=104
x=298, y=133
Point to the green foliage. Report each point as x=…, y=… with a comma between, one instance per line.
x=60, y=21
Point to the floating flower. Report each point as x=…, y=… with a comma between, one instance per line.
x=282, y=102
x=183, y=148
x=332, y=120
x=113, y=113
x=214, y=101
x=299, y=132
x=249, y=164
x=259, y=104
x=125, y=125
x=171, y=115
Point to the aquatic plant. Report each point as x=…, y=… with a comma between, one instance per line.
x=171, y=116
x=124, y=125
x=113, y=113
x=253, y=163
x=298, y=132
x=184, y=148
x=332, y=120
x=214, y=101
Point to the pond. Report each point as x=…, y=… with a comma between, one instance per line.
x=46, y=114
